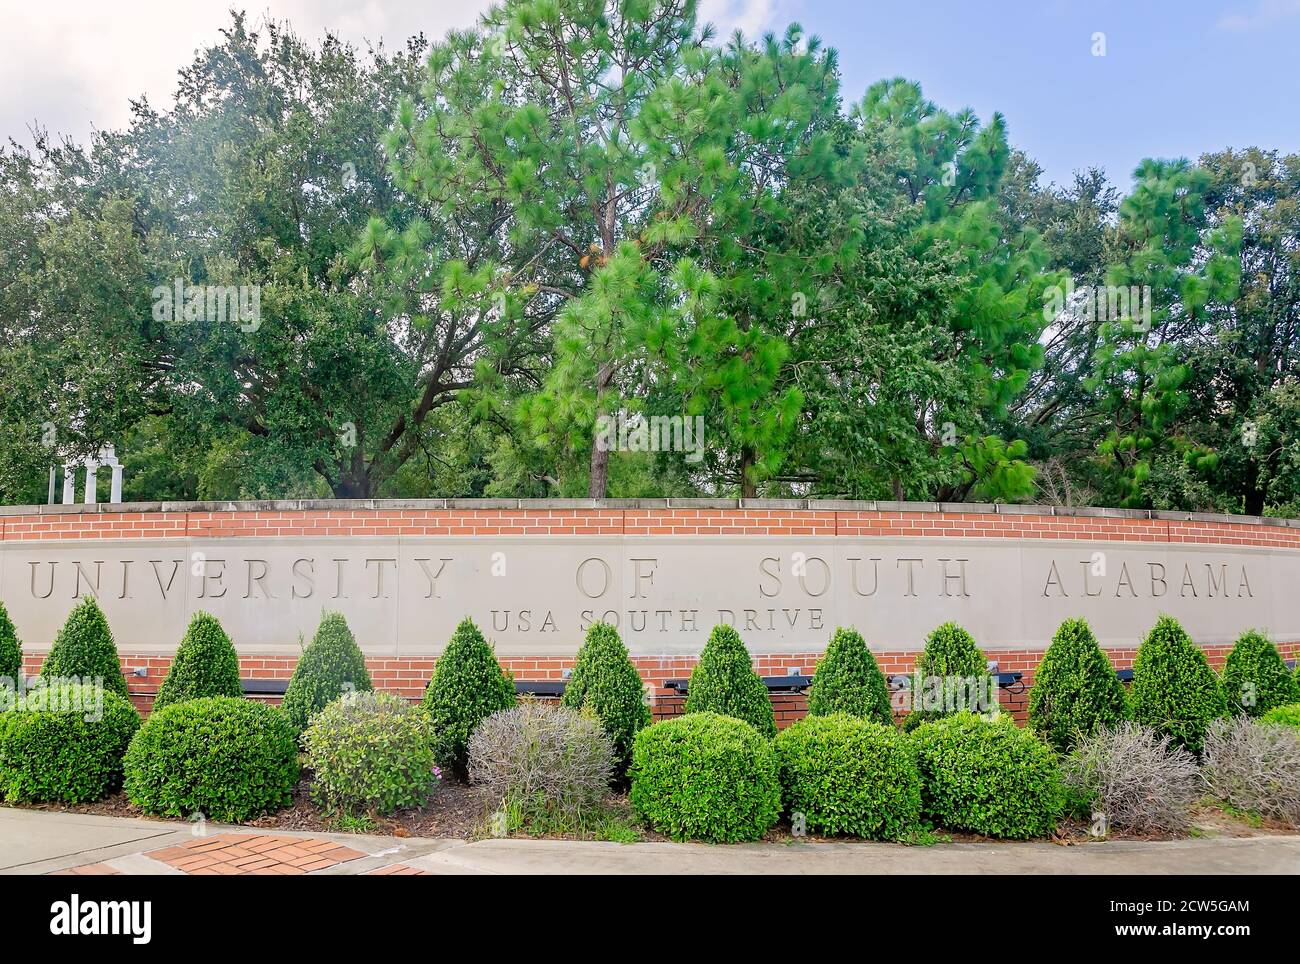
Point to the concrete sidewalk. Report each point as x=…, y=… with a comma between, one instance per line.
x=37, y=842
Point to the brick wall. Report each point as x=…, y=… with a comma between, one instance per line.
x=407, y=676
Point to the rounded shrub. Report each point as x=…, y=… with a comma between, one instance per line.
x=228, y=759
x=951, y=676
x=65, y=743
x=988, y=777
x=542, y=764
x=847, y=680
x=1076, y=691
x=1255, y=677
x=1288, y=715
x=11, y=650
x=468, y=686
x=1174, y=690
x=724, y=681
x=84, y=651
x=330, y=666
x=370, y=753
x=205, y=665
x=605, y=682
x=705, y=776
x=849, y=775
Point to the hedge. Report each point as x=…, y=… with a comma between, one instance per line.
x=11, y=649
x=205, y=665
x=1255, y=677
x=605, y=681
x=468, y=686
x=1076, y=691
x=331, y=665
x=847, y=680
x=84, y=650
x=724, y=682
x=1174, y=689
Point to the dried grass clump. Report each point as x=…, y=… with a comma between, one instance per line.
x=1137, y=778
x=1254, y=767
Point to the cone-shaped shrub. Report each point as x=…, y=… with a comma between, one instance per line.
x=849, y=681
x=468, y=686
x=205, y=665
x=1076, y=691
x=1174, y=689
x=11, y=649
x=84, y=650
x=951, y=676
x=330, y=666
x=724, y=682
x=1255, y=677
x=605, y=681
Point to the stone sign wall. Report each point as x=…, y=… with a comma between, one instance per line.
x=535, y=576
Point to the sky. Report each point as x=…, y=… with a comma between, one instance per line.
x=1082, y=83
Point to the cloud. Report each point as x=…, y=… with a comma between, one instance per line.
x=1265, y=14
x=750, y=17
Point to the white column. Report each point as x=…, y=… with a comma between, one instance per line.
x=91, y=468
x=69, y=483
x=54, y=472
x=116, y=494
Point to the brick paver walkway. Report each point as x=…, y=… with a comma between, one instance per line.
x=88, y=870
x=399, y=870
x=235, y=853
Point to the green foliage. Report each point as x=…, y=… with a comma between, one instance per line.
x=705, y=776
x=64, y=743
x=330, y=666
x=229, y=759
x=84, y=650
x=951, y=676
x=1174, y=690
x=1076, y=691
x=11, y=648
x=724, y=681
x=468, y=686
x=1255, y=678
x=370, y=753
x=1288, y=715
x=605, y=681
x=847, y=680
x=205, y=665
x=988, y=777
x=849, y=775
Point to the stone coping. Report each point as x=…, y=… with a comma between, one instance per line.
x=795, y=505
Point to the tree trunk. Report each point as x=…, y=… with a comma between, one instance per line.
x=748, y=490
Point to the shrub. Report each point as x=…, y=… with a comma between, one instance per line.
x=1174, y=689
x=1254, y=767
x=542, y=763
x=11, y=649
x=205, y=665
x=951, y=676
x=849, y=775
x=724, y=681
x=1288, y=715
x=988, y=777
x=468, y=686
x=84, y=650
x=64, y=743
x=1138, y=779
x=1255, y=677
x=847, y=680
x=705, y=776
x=228, y=759
x=370, y=753
x=330, y=666
x=605, y=682
x=1076, y=691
